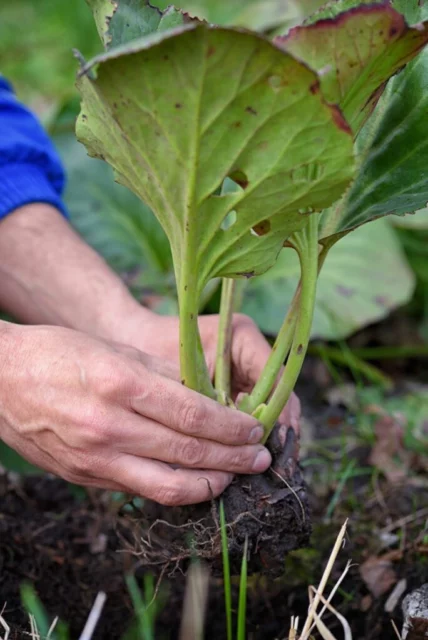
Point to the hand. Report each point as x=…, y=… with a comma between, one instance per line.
x=158, y=335
x=105, y=415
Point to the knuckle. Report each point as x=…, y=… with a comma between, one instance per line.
x=110, y=378
x=192, y=453
x=95, y=428
x=81, y=464
x=192, y=416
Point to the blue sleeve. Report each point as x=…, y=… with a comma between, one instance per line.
x=30, y=168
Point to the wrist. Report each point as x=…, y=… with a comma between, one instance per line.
x=123, y=319
x=10, y=354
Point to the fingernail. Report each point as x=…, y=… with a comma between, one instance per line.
x=256, y=435
x=262, y=462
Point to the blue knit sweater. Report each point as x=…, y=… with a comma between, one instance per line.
x=30, y=169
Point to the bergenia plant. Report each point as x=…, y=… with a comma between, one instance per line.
x=244, y=146
x=237, y=143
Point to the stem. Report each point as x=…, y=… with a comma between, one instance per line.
x=280, y=350
x=265, y=384
x=306, y=244
x=193, y=367
x=224, y=344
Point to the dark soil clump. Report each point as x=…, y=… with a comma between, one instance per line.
x=270, y=511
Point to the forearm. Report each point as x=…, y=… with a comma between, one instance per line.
x=50, y=276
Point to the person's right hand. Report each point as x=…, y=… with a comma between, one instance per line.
x=106, y=415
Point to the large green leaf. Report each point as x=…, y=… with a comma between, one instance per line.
x=393, y=173
x=177, y=113
x=355, y=53
x=364, y=277
x=121, y=21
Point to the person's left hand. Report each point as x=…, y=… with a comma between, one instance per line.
x=159, y=335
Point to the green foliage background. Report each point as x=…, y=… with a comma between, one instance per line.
x=36, y=42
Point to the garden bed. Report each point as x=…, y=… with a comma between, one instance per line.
x=71, y=545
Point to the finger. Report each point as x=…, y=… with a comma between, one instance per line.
x=170, y=403
x=291, y=414
x=171, y=487
x=250, y=352
x=155, y=441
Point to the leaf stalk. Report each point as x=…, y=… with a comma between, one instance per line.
x=224, y=343
x=306, y=244
x=193, y=367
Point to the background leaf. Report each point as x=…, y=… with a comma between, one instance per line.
x=121, y=21
x=356, y=52
x=111, y=218
x=364, y=277
x=392, y=177
x=415, y=222
x=38, y=59
x=259, y=15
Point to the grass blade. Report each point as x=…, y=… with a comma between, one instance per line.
x=226, y=572
x=144, y=619
x=242, y=606
x=35, y=609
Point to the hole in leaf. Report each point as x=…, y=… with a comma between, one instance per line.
x=229, y=186
x=229, y=220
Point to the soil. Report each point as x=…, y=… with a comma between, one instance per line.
x=71, y=545
x=268, y=513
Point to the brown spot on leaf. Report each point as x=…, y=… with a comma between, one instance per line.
x=340, y=120
x=299, y=349
x=84, y=117
x=191, y=316
x=374, y=98
x=251, y=110
x=237, y=124
x=211, y=51
x=246, y=274
x=240, y=178
x=346, y=292
x=262, y=228
x=166, y=57
x=381, y=301
x=315, y=87
x=178, y=105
